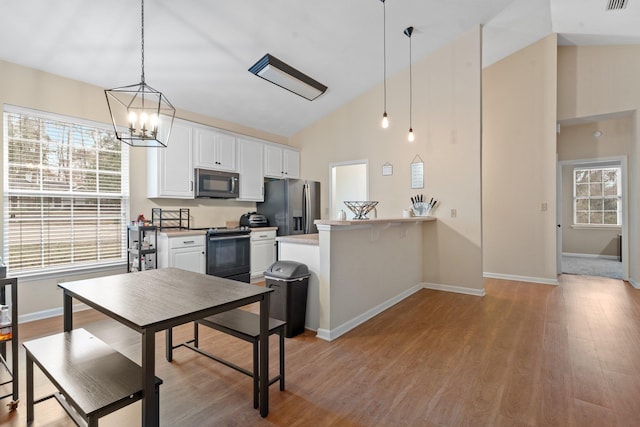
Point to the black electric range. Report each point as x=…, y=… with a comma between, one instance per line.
x=229, y=252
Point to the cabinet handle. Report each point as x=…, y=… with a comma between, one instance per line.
x=188, y=241
x=190, y=185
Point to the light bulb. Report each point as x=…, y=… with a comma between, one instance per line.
x=143, y=119
x=411, y=137
x=154, y=121
x=132, y=119
x=385, y=121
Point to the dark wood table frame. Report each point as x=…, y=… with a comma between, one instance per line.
x=156, y=300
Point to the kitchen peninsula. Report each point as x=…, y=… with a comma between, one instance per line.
x=358, y=269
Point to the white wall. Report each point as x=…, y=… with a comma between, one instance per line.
x=518, y=164
x=446, y=122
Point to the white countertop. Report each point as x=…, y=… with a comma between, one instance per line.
x=374, y=220
x=304, y=239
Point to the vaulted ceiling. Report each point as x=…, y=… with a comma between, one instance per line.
x=198, y=52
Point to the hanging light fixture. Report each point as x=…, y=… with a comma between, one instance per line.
x=136, y=109
x=385, y=119
x=407, y=32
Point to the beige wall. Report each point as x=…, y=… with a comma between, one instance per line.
x=446, y=122
x=34, y=89
x=598, y=80
x=577, y=142
x=518, y=164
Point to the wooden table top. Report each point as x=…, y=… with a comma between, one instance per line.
x=158, y=299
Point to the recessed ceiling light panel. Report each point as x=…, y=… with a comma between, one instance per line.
x=279, y=73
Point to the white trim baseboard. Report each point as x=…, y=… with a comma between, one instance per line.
x=575, y=255
x=456, y=289
x=634, y=283
x=540, y=280
x=330, y=335
x=46, y=314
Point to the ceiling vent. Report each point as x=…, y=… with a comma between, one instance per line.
x=617, y=4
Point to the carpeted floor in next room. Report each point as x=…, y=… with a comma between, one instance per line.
x=587, y=266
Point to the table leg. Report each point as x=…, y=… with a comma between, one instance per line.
x=168, y=344
x=264, y=355
x=150, y=406
x=67, y=311
x=30, y=402
x=14, y=348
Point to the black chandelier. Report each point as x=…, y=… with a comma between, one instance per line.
x=136, y=110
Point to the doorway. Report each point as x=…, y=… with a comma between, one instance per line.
x=347, y=181
x=591, y=249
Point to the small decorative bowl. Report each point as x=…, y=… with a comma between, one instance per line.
x=360, y=209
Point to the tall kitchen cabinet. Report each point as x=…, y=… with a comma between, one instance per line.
x=251, y=170
x=214, y=150
x=170, y=169
x=281, y=162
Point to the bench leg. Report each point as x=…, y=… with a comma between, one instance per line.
x=92, y=422
x=281, y=333
x=255, y=374
x=29, y=389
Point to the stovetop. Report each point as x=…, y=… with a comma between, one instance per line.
x=214, y=231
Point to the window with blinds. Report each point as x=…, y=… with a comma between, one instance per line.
x=65, y=193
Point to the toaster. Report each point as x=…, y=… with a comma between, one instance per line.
x=253, y=220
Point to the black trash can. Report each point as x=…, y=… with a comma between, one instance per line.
x=288, y=301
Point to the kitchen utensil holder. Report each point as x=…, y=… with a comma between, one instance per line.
x=421, y=209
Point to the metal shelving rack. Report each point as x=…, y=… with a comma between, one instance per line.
x=134, y=247
x=170, y=218
x=11, y=282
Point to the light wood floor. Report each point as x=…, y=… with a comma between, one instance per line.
x=523, y=355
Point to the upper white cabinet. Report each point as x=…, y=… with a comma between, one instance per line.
x=214, y=150
x=170, y=169
x=281, y=162
x=250, y=167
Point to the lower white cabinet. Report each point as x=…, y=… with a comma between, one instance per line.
x=187, y=252
x=263, y=251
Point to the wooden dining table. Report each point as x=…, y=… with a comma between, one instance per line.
x=155, y=300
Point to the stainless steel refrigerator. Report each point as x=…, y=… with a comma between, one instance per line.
x=291, y=205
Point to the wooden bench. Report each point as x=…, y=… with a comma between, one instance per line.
x=246, y=326
x=92, y=378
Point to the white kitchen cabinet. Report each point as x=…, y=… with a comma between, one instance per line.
x=187, y=252
x=170, y=169
x=263, y=251
x=214, y=150
x=250, y=168
x=281, y=162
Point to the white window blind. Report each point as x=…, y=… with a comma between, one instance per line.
x=65, y=193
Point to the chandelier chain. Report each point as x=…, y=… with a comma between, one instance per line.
x=142, y=38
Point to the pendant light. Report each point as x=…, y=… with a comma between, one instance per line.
x=385, y=119
x=407, y=32
x=136, y=109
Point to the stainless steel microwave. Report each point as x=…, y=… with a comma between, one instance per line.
x=216, y=184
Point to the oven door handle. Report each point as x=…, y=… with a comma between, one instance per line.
x=229, y=237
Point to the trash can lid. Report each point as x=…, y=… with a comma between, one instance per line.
x=287, y=270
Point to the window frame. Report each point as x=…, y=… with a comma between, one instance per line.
x=617, y=197
x=123, y=196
